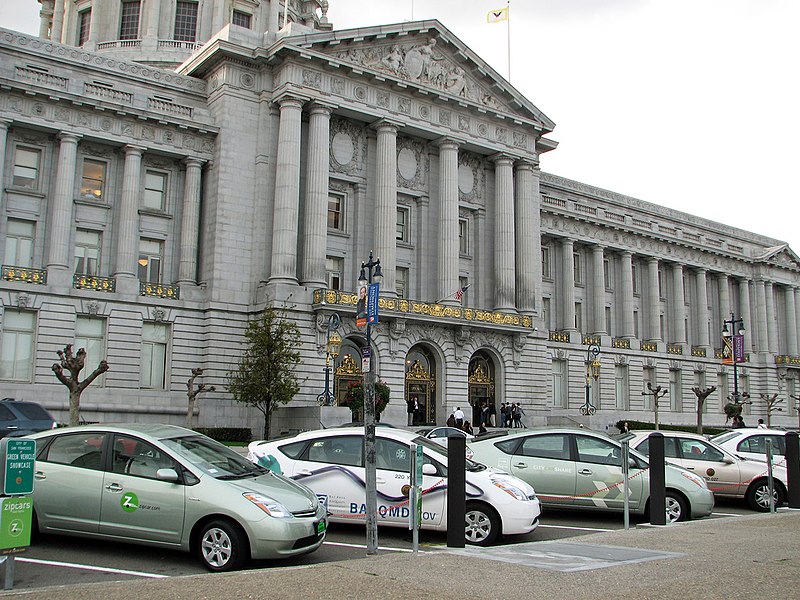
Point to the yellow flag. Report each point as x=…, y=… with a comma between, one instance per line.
x=495, y=16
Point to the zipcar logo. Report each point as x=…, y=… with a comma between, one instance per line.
x=129, y=502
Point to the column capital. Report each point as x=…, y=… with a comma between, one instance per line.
x=193, y=161
x=448, y=142
x=131, y=150
x=386, y=126
x=317, y=107
x=289, y=99
x=502, y=159
x=526, y=164
x=595, y=247
x=652, y=260
x=5, y=123
x=68, y=136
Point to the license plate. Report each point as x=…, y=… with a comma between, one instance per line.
x=320, y=526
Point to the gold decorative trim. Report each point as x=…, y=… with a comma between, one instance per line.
x=648, y=347
x=26, y=274
x=621, y=343
x=479, y=376
x=348, y=366
x=91, y=282
x=159, y=290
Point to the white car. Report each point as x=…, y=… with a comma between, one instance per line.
x=751, y=443
x=331, y=463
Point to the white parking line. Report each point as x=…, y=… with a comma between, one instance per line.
x=718, y=514
x=576, y=528
x=327, y=543
x=56, y=563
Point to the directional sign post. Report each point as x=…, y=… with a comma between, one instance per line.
x=16, y=466
x=17, y=463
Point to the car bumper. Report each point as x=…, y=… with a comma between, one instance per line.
x=702, y=503
x=279, y=538
x=522, y=518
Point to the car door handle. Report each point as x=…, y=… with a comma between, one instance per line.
x=690, y=468
x=13, y=427
x=39, y=475
x=520, y=465
x=304, y=472
x=585, y=472
x=114, y=487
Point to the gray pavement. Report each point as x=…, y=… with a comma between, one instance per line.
x=736, y=557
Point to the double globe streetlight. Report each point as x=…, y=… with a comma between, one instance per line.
x=734, y=344
x=333, y=347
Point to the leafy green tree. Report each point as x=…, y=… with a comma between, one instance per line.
x=266, y=376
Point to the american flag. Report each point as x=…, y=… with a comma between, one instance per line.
x=460, y=292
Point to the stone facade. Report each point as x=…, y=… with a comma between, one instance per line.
x=266, y=168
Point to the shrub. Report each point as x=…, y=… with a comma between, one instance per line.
x=634, y=425
x=226, y=434
x=354, y=398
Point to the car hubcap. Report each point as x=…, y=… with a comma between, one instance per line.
x=217, y=548
x=478, y=526
x=762, y=496
x=673, y=510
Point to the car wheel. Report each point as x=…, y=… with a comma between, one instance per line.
x=482, y=525
x=758, y=495
x=223, y=546
x=677, y=509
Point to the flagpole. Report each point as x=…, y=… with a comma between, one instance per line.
x=508, y=38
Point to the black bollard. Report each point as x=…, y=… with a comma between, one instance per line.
x=658, y=491
x=456, y=491
x=793, y=469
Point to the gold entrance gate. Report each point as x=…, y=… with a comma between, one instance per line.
x=481, y=389
x=420, y=393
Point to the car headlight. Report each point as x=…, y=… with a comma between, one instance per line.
x=694, y=479
x=268, y=505
x=510, y=489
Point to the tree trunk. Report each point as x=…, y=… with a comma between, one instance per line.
x=190, y=414
x=266, y=424
x=700, y=418
x=74, y=407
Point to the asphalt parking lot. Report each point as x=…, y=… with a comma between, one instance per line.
x=58, y=561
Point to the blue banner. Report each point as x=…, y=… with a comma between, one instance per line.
x=372, y=303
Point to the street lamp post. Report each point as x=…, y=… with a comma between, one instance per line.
x=370, y=272
x=735, y=344
x=592, y=372
x=333, y=345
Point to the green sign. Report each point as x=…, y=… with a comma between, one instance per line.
x=15, y=524
x=18, y=462
x=129, y=502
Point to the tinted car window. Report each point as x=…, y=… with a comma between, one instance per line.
x=294, y=449
x=670, y=448
x=6, y=414
x=392, y=455
x=546, y=446
x=699, y=450
x=595, y=450
x=132, y=456
x=33, y=411
x=758, y=444
x=76, y=449
x=507, y=446
x=340, y=450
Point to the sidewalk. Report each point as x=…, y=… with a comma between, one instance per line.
x=736, y=557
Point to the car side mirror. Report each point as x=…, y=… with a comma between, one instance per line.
x=728, y=460
x=428, y=469
x=167, y=475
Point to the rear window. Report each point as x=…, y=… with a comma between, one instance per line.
x=34, y=412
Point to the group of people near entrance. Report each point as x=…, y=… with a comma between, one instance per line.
x=510, y=416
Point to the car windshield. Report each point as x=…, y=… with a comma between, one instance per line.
x=213, y=458
x=724, y=437
x=441, y=451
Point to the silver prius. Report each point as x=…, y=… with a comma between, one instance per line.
x=170, y=487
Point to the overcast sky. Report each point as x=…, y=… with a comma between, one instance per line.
x=692, y=104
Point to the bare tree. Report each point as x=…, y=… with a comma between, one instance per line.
x=74, y=364
x=771, y=401
x=193, y=392
x=735, y=406
x=657, y=392
x=702, y=394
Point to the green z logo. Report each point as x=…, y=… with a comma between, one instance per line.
x=129, y=502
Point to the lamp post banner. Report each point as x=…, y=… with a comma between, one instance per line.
x=727, y=351
x=738, y=348
x=372, y=303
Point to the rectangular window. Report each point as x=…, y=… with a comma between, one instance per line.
x=560, y=383
x=84, y=25
x=621, y=388
x=636, y=324
x=463, y=236
x=609, y=283
x=401, y=282
x=675, y=393
x=155, y=337
x=576, y=267
x=87, y=252
x=129, y=23
x=155, y=190
x=16, y=349
x=662, y=328
x=608, y=321
x=635, y=279
x=19, y=243
x=241, y=19
x=27, y=163
x=336, y=212
x=546, y=262
x=90, y=335
x=151, y=254
x=401, y=234
x=333, y=269
x=185, y=21
x=660, y=284
x=93, y=179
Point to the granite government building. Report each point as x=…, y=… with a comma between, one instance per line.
x=171, y=167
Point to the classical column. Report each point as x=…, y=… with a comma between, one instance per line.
x=386, y=205
x=98, y=15
x=190, y=222
x=746, y=314
x=152, y=18
x=128, y=234
x=45, y=17
x=797, y=313
x=653, y=301
x=567, y=286
x=504, y=245
x=448, y=221
x=725, y=306
x=772, y=321
x=287, y=193
x=627, y=329
x=58, y=21
x=272, y=22
x=528, y=237
x=701, y=310
x=598, y=291
x=4, y=125
x=315, y=239
x=761, y=316
x=678, y=306
x=791, y=321
x=60, y=225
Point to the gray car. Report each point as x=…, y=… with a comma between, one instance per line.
x=170, y=487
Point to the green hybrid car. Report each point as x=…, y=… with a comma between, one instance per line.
x=170, y=487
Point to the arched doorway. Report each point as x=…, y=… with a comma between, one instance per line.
x=481, y=386
x=347, y=372
x=420, y=394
